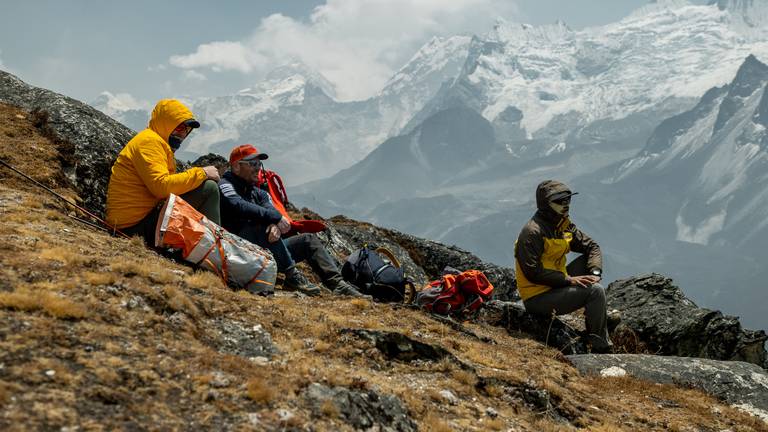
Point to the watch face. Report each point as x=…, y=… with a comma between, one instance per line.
x=597, y=272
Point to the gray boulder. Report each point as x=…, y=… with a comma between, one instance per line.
x=740, y=384
x=671, y=324
x=361, y=409
x=554, y=332
x=89, y=140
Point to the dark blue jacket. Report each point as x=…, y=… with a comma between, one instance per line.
x=244, y=204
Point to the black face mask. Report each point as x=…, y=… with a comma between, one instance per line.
x=175, y=142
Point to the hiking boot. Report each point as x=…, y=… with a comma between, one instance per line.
x=295, y=281
x=341, y=287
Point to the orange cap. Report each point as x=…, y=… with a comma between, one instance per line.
x=245, y=152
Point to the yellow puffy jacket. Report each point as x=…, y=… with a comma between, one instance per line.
x=145, y=170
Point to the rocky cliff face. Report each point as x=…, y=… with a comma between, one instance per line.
x=670, y=324
x=95, y=138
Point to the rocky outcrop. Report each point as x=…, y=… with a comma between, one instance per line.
x=554, y=332
x=90, y=139
x=423, y=260
x=741, y=384
x=364, y=410
x=670, y=324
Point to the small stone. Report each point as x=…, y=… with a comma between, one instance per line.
x=253, y=418
x=259, y=360
x=285, y=415
x=613, y=371
x=492, y=413
x=449, y=397
x=219, y=380
x=178, y=272
x=135, y=302
x=211, y=396
x=50, y=373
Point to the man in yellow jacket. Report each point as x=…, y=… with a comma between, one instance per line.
x=144, y=174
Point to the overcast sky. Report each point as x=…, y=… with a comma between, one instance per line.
x=152, y=49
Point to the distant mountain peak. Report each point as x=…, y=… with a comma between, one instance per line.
x=297, y=70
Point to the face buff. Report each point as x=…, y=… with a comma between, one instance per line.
x=178, y=135
x=560, y=205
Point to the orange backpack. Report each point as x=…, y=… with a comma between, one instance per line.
x=457, y=293
x=273, y=184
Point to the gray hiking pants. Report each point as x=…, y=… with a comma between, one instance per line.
x=569, y=299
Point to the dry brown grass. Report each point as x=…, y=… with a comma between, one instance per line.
x=103, y=278
x=64, y=255
x=329, y=409
x=203, y=280
x=54, y=305
x=259, y=391
x=435, y=423
x=180, y=302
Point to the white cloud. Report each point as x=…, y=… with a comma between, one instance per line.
x=356, y=44
x=118, y=102
x=193, y=75
x=157, y=68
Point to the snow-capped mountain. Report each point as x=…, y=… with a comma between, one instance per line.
x=293, y=115
x=716, y=155
x=582, y=87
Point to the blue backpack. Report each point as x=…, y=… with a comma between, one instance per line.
x=378, y=273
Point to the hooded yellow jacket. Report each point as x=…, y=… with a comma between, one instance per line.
x=145, y=170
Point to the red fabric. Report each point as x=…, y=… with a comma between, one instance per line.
x=474, y=282
x=279, y=196
x=451, y=292
x=308, y=226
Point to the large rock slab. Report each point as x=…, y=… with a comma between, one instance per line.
x=671, y=324
x=743, y=385
x=552, y=331
x=93, y=139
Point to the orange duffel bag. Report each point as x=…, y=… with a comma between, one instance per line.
x=238, y=262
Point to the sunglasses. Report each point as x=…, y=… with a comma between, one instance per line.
x=183, y=129
x=255, y=163
x=562, y=201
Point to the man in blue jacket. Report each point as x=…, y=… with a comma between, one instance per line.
x=247, y=211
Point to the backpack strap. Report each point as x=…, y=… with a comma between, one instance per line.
x=388, y=253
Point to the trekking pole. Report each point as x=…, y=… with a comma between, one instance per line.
x=63, y=198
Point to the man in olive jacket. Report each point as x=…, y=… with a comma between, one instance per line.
x=546, y=284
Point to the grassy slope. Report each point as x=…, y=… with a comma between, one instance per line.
x=100, y=333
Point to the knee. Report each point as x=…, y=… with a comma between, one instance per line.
x=314, y=241
x=210, y=189
x=597, y=291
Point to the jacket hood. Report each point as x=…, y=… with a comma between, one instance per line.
x=546, y=190
x=167, y=115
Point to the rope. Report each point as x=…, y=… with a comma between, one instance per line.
x=63, y=198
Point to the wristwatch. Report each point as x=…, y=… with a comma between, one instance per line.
x=597, y=272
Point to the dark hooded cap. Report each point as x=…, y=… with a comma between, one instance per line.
x=551, y=189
